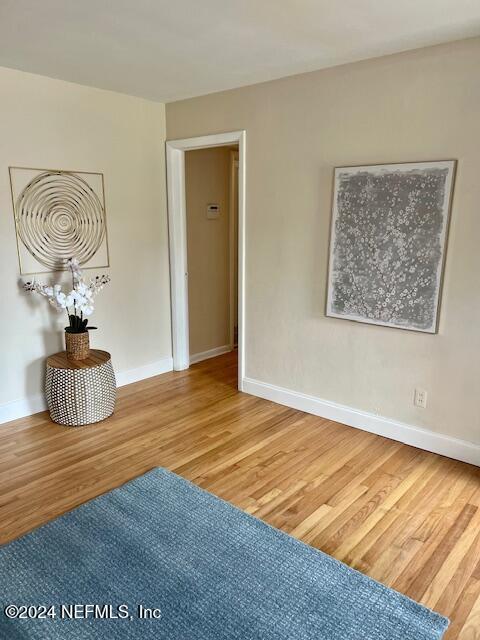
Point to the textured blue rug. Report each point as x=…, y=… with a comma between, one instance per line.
x=204, y=569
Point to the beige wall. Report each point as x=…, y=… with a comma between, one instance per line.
x=420, y=105
x=53, y=124
x=207, y=181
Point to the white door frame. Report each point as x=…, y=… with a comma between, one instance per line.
x=177, y=229
x=232, y=222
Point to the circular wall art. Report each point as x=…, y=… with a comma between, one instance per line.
x=58, y=215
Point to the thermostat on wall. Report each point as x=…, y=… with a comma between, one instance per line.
x=213, y=211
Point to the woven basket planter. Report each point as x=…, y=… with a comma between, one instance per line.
x=80, y=392
x=77, y=345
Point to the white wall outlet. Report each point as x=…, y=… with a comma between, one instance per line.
x=420, y=398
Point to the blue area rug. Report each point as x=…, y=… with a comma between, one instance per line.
x=204, y=569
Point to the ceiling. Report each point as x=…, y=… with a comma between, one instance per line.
x=168, y=50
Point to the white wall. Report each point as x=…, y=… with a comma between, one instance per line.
x=48, y=123
x=420, y=105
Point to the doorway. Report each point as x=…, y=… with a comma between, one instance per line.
x=211, y=207
x=177, y=215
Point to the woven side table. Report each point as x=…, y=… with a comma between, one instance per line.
x=80, y=391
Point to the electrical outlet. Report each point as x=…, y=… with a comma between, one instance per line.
x=420, y=398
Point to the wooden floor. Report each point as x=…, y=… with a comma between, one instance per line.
x=408, y=518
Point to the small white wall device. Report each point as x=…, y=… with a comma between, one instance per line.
x=213, y=211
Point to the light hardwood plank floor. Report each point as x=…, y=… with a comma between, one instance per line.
x=408, y=518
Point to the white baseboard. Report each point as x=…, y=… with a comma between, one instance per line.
x=409, y=434
x=211, y=353
x=22, y=407
x=34, y=404
x=146, y=371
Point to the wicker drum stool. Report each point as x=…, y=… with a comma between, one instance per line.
x=80, y=391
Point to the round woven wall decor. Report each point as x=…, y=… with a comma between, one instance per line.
x=58, y=216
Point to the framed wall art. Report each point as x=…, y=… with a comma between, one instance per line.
x=388, y=242
x=58, y=214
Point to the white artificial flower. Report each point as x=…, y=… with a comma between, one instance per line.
x=78, y=298
x=55, y=304
x=84, y=291
x=75, y=269
x=86, y=309
x=61, y=299
x=97, y=284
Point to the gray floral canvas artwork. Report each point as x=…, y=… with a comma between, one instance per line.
x=388, y=240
